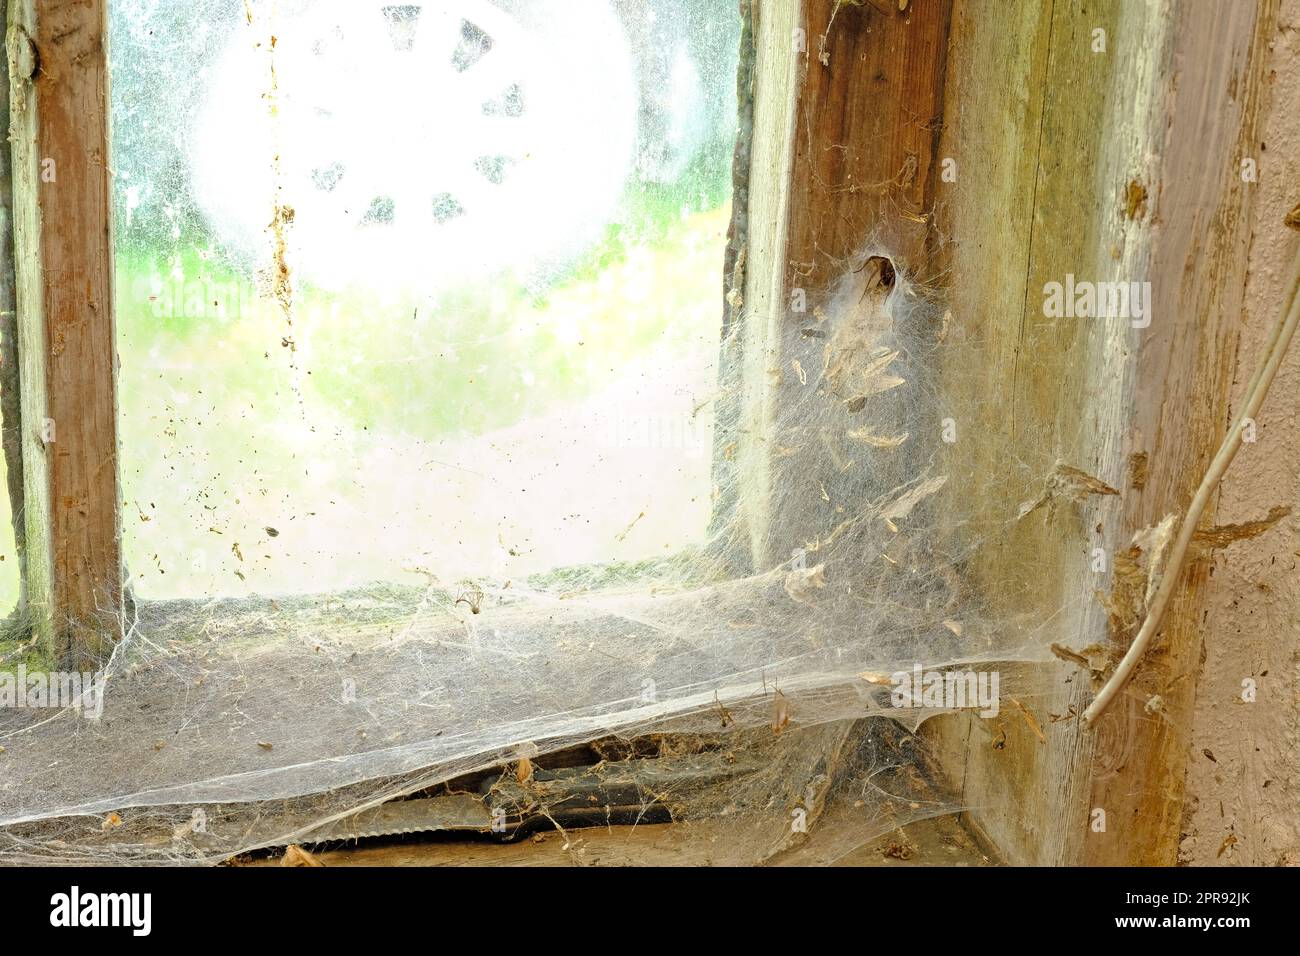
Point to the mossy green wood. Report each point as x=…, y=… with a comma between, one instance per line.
x=59, y=130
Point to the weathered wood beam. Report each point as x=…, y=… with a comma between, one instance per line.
x=1104, y=143
x=10, y=415
x=867, y=129
x=1029, y=204
x=1100, y=142
x=848, y=107
x=59, y=128
x=1199, y=211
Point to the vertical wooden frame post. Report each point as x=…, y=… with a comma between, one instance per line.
x=847, y=111
x=59, y=129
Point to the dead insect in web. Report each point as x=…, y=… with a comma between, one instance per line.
x=295, y=855
x=898, y=851
x=724, y=715
x=780, y=712
x=1228, y=843
x=1292, y=220
x=473, y=598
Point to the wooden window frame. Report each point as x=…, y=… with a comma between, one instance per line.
x=848, y=135
x=1113, y=165
x=67, y=352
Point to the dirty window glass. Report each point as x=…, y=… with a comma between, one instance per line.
x=411, y=289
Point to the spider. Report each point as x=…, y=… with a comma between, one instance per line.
x=472, y=597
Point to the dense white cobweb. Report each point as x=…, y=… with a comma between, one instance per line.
x=332, y=703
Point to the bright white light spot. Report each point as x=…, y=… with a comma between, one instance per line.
x=448, y=160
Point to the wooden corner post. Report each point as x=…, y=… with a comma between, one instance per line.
x=59, y=128
x=1001, y=148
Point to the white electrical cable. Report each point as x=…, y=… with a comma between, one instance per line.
x=1274, y=351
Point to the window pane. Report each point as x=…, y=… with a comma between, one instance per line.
x=418, y=288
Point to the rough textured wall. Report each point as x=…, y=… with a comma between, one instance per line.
x=1243, y=780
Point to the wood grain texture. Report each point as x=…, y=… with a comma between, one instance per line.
x=879, y=103
x=11, y=434
x=1198, y=265
x=1056, y=135
x=59, y=128
x=778, y=63
x=1034, y=200
x=862, y=113
x=1098, y=141
x=867, y=129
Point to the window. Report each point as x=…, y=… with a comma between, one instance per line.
x=393, y=459
x=393, y=285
